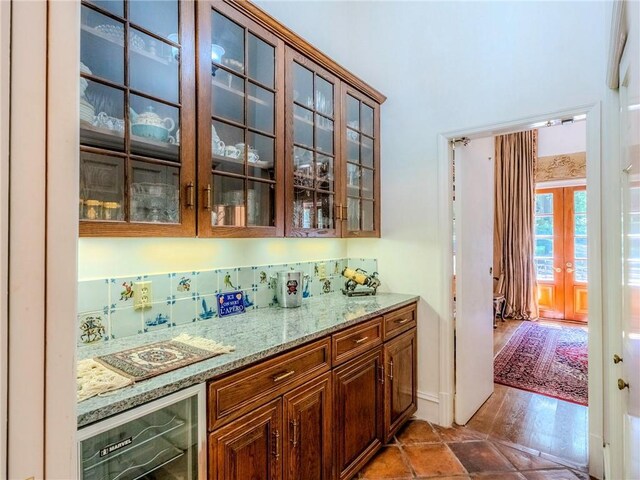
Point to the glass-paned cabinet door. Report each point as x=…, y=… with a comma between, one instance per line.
x=137, y=117
x=362, y=164
x=312, y=150
x=240, y=125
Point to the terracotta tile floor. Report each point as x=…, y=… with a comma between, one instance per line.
x=422, y=450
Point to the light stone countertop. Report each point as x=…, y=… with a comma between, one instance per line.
x=256, y=335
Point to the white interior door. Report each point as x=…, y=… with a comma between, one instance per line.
x=473, y=208
x=630, y=156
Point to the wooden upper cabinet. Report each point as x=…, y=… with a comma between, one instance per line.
x=361, y=167
x=287, y=140
x=241, y=125
x=312, y=153
x=137, y=119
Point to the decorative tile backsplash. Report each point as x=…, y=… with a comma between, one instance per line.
x=106, y=306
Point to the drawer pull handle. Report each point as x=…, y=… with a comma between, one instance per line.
x=400, y=321
x=282, y=376
x=361, y=340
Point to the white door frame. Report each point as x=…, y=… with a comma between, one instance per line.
x=5, y=40
x=447, y=353
x=43, y=235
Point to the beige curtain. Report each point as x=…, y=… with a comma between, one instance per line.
x=513, y=225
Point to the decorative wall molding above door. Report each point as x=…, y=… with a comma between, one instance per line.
x=561, y=167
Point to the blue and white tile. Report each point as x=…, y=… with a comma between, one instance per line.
x=93, y=295
x=245, y=277
x=274, y=299
x=160, y=286
x=121, y=290
x=306, y=286
x=157, y=317
x=183, y=284
x=315, y=286
x=334, y=267
x=263, y=297
x=228, y=279
x=250, y=297
x=207, y=282
x=184, y=311
x=327, y=286
x=371, y=265
x=261, y=276
x=206, y=308
x=125, y=322
x=93, y=327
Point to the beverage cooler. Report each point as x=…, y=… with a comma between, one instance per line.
x=164, y=439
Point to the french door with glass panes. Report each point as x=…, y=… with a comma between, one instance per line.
x=137, y=118
x=313, y=189
x=561, y=252
x=241, y=125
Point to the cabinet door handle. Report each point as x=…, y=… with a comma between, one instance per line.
x=294, y=435
x=190, y=195
x=361, y=340
x=400, y=321
x=207, y=197
x=558, y=269
x=276, y=437
x=381, y=367
x=391, y=370
x=622, y=384
x=617, y=358
x=569, y=270
x=282, y=376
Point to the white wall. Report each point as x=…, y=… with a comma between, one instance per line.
x=562, y=139
x=110, y=257
x=470, y=64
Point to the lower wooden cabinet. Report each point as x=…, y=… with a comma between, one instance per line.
x=249, y=447
x=401, y=383
x=307, y=433
x=358, y=402
x=317, y=419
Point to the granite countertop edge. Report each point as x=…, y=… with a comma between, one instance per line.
x=181, y=378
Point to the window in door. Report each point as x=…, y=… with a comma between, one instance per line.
x=560, y=252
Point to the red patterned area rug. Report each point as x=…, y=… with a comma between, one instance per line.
x=544, y=359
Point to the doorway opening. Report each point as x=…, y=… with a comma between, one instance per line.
x=562, y=237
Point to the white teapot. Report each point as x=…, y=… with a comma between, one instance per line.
x=217, y=145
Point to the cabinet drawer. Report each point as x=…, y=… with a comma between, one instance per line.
x=353, y=341
x=400, y=321
x=241, y=392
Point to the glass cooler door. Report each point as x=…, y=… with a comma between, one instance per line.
x=161, y=440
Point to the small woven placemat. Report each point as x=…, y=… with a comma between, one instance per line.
x=141, y=363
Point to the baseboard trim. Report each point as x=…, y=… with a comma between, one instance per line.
x=445, y=417
x=428, y=407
